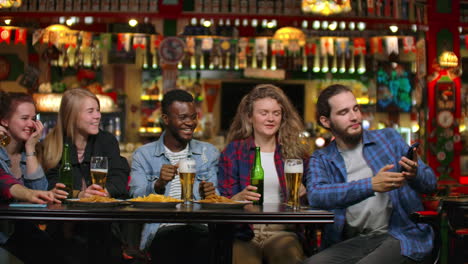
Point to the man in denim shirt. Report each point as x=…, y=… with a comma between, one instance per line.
x=154, y=171
x=364, y=178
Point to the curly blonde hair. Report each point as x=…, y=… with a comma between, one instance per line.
x=291, y=123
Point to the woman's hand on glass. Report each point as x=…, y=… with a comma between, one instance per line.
x=248, y=194
x=93, y=189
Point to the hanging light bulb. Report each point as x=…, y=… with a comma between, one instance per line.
x=316, y=25
x=393, y=28
x=133, y=22
x=333, y=25
x=342, y=25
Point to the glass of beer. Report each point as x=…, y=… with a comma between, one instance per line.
x=4, y=140
x=187, y=171
x=293, y=169
x=99, y=168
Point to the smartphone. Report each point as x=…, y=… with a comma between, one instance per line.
x=410, y=152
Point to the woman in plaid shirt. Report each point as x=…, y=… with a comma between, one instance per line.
x=266, y=118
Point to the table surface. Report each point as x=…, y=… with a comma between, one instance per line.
x=268, y=214
x=457, y=201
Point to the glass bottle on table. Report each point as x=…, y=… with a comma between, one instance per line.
x=65, y=171
x=257, y=176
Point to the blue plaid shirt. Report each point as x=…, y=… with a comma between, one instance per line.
x=328, y=189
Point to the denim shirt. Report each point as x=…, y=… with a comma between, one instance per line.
x=35, y=180
x=146, y=167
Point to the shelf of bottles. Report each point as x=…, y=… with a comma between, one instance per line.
x=145, y=6
x=150, y=108
x=341, y=55
x=413, y=11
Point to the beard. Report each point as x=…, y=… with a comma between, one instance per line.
x=349, y=139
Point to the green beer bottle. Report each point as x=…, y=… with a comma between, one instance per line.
x=65, y=172
x=257, y=175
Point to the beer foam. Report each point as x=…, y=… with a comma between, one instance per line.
x=187, y=165
x=99, y=170
x=294, y=169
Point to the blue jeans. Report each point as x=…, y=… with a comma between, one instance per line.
x=382, y=249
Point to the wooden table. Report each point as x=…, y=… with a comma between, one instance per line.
x=221, y=221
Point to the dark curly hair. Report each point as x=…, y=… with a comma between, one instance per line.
x=175, y=95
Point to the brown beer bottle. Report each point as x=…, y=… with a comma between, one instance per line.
x=65, y=171
x=257, y=175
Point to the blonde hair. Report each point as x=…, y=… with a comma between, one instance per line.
x=291, y=124
x=66, y=125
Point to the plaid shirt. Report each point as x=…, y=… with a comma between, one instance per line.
x=235, y=163
x=328, y=189
x=6, y=181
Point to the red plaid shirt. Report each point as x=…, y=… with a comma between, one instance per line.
x=6, y=181
x=235, y=164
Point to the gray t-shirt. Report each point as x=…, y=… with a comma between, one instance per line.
x=370, y=216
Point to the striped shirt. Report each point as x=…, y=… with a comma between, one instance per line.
x=174, y=158
x=176, y=188
x=328, y=188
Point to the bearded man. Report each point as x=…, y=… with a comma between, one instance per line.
x=372, y=188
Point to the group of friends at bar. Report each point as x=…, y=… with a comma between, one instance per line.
x=362, y=176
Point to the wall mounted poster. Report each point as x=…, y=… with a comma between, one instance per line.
x=393, y=87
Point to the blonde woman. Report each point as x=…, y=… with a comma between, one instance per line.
x=78, y=124
x=266, y=118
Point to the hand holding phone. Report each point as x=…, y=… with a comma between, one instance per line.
x=410, y=152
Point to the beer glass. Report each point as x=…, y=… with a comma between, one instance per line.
x=4, y=140
x=187, y=171
x=293, y=169
x=99, y=170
